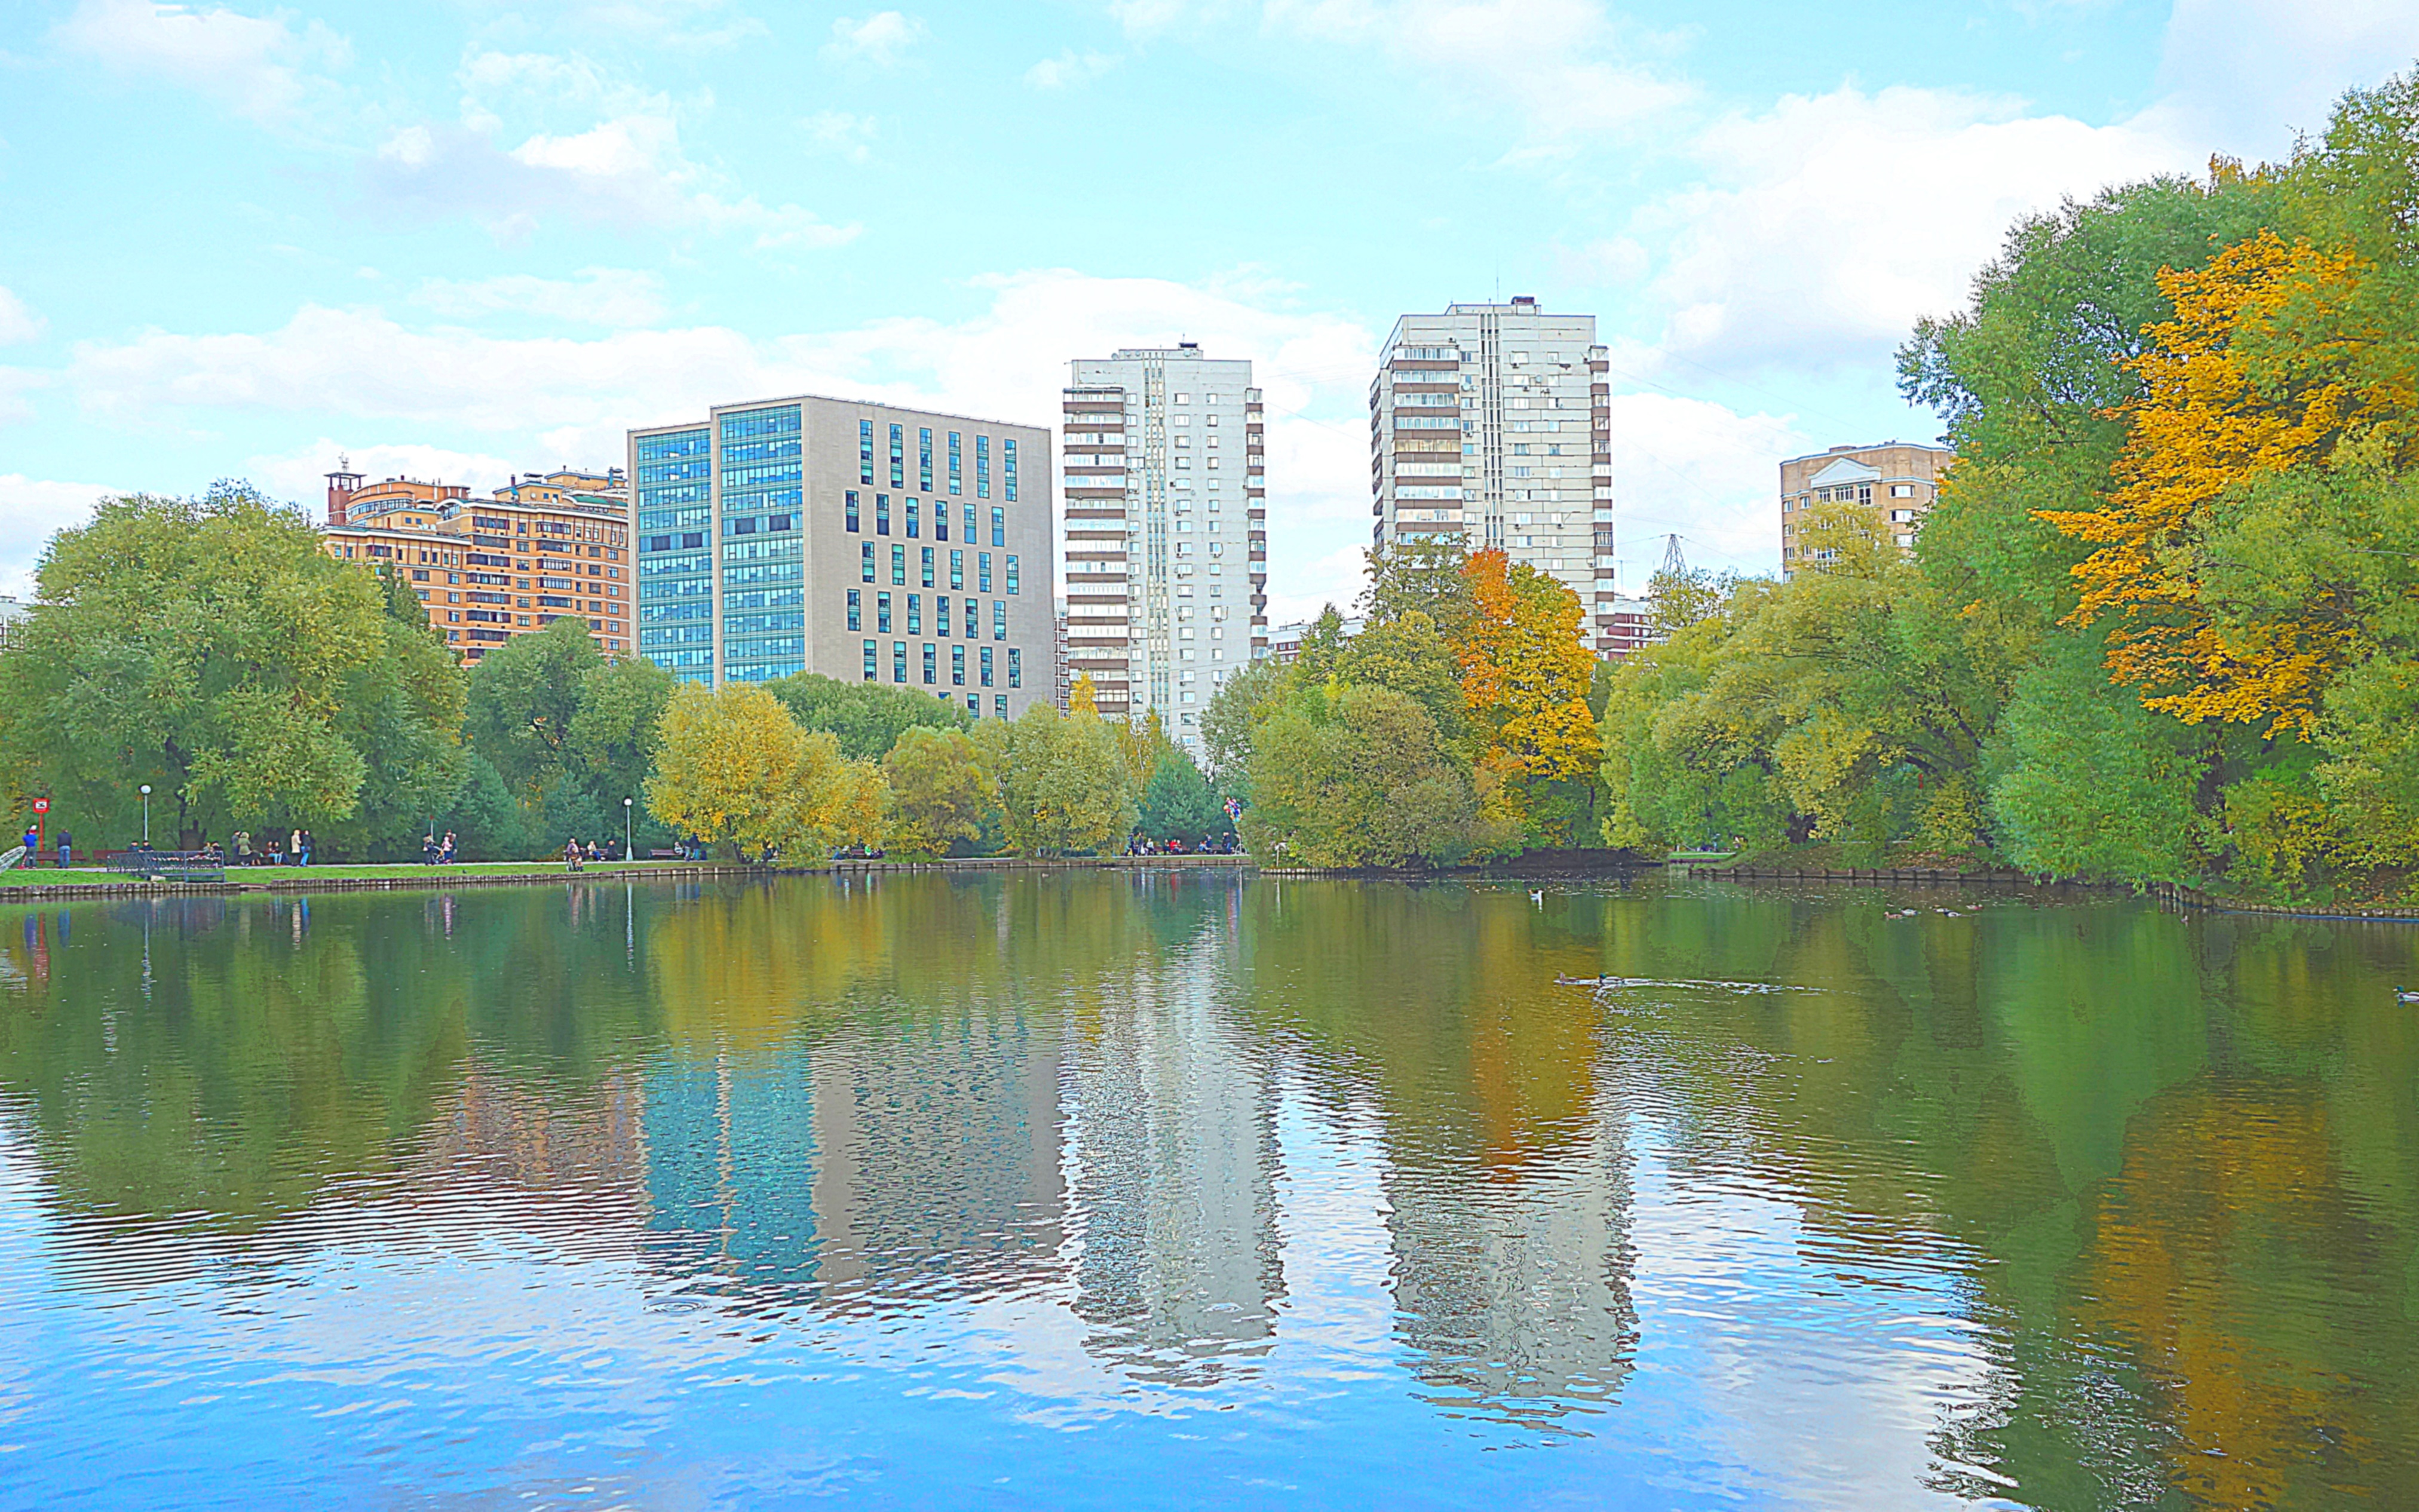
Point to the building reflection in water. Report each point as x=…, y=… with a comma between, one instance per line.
x=1175, y=1159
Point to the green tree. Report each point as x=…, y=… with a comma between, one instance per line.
x=1063, y=782
x=525, y=697
x=1358, y=779
x=867, y=717
x=942, y=789
x=733, y=768
x=211, y=648
x=1178, y=803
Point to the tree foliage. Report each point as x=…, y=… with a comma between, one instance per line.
x=1064, y=786
x=942, y=789
x=734, y=768
x=209, y=648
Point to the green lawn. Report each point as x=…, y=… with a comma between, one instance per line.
x=273, y=875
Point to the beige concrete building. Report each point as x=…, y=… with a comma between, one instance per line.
x=860, y=541
x=1898, y=479
x=1493, y=423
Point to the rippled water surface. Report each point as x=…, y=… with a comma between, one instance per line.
x=1123, y=1190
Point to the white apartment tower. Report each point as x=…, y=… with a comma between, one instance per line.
x=1494, y=423
x=1166, y=529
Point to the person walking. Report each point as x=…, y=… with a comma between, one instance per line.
x=243, y=847
x=571, y=855
x=67, y=848
x=303, y=848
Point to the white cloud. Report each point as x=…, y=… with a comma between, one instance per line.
x=32, y=510
x=556, y=399
x=617, y=297
x=1831, y=222
x=1567, y=68
x=630, y=169
x=840, y=133
x=1069, y=68
x=17, y=322
x=1701, y=470
x=300, y=475
x=880, y=40
x=263, y=68
x=2241, y=75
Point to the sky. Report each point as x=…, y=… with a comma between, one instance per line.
x=455, y=240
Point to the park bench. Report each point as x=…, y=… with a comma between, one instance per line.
x=165, y=866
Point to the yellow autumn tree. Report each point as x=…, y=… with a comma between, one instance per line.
x=734, y=768
x=2272, y=362
x=1524, y=672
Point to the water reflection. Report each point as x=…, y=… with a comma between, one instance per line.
x=2058, y=1207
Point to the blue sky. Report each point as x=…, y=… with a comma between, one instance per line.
x=457, y=240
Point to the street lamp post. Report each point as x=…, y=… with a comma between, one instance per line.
x=146, y=817
x=626, y=858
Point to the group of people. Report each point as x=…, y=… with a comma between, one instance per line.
x=1210, y=846
x=294, y=850
x=33, y=840
x=576, y=855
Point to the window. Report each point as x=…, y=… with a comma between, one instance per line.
x=924, y=463
x=866, y=560
x=941, y=616
x=1012, y=573
x=1009, y=467
x=957, y=468
x=1181, y=398
x=872, y=655
x=898, y=461
x=974, y=705
x=882, y=513
x=882, y=612
x=932, y=668
x=864, y=473
x=914, y=614
x=982, y=478
x=915, y=520
x=986, y=666
x=940, y=520
x=928, y=566
x=982, y=571
x=857, y=608
x=957, y=666
x=999, y=526
x=898, y=652
x=957, y=568
x=1015, y=667
x=970, y=525
x=998, y=620
x=999, y=706
x=899, y=566
x=1902, y=490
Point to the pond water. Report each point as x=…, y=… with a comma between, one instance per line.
x=1117, y=1190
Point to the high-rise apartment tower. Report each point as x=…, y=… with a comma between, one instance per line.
x=1494, y=423
x=1166, y=529
x=1897, y=480
x=860, y=541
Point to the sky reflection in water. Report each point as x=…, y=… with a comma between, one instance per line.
x=1110, y=1191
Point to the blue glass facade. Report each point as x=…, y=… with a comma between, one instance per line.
x=671, y=493
x=761, y=479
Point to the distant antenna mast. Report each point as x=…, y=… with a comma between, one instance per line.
x=1675, y=563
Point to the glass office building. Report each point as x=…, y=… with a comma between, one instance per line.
x=853, y=540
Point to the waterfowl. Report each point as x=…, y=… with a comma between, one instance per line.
x=2404, y=995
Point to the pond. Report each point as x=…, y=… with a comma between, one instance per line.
x=1113, y=1190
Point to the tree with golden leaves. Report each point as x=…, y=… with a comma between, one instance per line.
x=2271, y=363
x=734, y=768
x=1524, y=672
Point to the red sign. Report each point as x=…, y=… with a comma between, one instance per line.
x=41, y=806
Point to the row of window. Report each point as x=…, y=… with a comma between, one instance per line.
x=984, y=666
x=915, y=615
x=852, y=517
x=867, y=560
x=898, y=459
